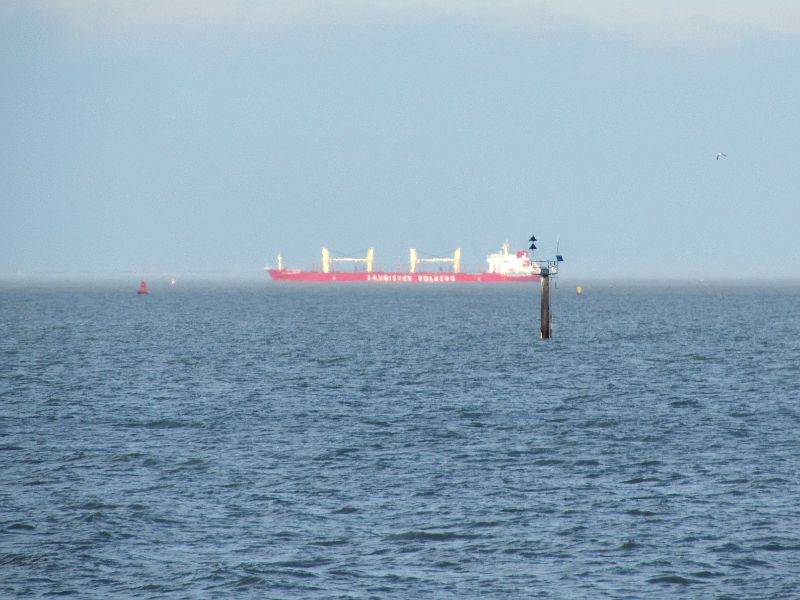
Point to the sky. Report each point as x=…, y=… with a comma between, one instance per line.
x=206, y=136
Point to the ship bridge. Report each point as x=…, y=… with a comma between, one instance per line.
x=506, y=263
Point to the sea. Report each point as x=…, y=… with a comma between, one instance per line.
x=258, y=440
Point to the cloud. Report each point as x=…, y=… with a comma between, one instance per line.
x=662, y=20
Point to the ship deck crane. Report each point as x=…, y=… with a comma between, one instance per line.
x=414, y=260
x=368, y=260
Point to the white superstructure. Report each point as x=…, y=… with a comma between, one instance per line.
x=504, y=263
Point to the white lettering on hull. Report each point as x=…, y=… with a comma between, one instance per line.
x=391, y=277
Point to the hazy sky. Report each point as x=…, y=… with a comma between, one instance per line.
x=175, y=136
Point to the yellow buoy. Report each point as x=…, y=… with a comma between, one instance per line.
x=579, y=290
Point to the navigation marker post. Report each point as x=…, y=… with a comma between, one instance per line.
x=547, y=269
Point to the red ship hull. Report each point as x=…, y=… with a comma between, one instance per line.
x=385, y=277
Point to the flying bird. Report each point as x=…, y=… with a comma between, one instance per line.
x=721, y=155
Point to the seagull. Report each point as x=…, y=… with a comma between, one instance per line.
x=721, y=155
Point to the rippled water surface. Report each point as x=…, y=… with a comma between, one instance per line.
x=399, y=442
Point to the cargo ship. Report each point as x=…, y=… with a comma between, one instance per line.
x=503, y=267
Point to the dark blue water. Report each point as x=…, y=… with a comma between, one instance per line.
x=400, y=442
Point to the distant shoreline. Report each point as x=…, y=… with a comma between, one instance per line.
x=192, y=280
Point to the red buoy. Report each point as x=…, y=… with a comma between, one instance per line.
x=143, y=288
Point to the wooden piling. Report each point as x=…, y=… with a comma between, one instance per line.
x=545, y=314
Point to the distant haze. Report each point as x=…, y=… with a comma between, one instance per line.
x=206, y=137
